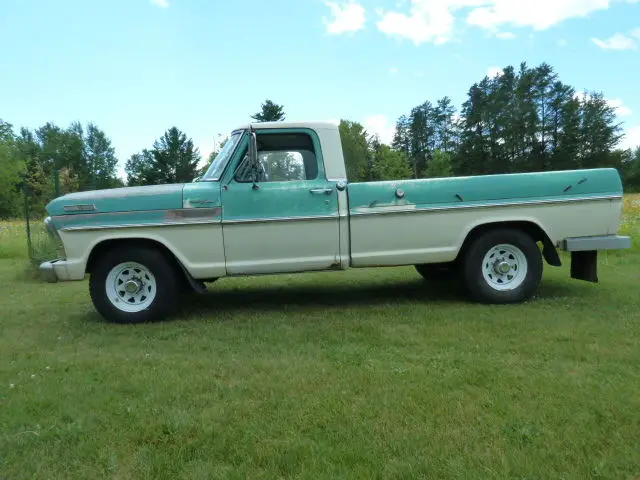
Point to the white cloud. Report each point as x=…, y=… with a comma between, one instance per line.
x=380, y=125
x=617, y=42
x=427, y=21
x=539, y=15
x=631, y=138
x=347, y=17
x=494, y=72
x=506, y=35
x=636, y=33
x=620, y=108
x=434, y=21
x=160, y=3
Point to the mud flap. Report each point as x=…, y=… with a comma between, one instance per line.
x=584, y=265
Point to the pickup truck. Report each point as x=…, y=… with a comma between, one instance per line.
x=276, y=199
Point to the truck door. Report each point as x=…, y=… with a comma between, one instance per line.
x=288, y=220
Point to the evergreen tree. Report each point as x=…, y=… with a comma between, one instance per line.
x=270, y=112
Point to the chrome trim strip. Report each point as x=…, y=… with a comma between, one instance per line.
x=167, y=212
x=138, y=225
x=79, y=207
x=280, y=219
x=414, y=209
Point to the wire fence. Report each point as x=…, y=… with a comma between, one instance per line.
x=40, y=246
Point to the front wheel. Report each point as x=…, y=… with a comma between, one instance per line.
x=503, y=266
x=133, y=285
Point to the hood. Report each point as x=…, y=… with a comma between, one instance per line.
x=125, y=199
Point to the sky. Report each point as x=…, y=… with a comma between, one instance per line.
x=138, y=67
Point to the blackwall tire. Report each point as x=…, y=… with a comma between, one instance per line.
x=133, y=285
x=503, y=266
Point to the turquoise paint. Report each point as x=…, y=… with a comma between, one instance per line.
x=201, y=195
x=273, y=200
x=494, y=189
x=126, y=199
x=116, y=219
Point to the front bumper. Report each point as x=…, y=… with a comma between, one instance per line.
x=61, y=270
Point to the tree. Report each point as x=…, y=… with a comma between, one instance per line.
x=173, y=159
x=439, y=166
x=355, y=149
x=12, y=169
x=100, y=158
x=140, y=169
x=391, y=164
x=270, y=112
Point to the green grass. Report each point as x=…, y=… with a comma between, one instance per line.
x=359, y=374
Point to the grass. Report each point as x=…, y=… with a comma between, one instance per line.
x=361, y=374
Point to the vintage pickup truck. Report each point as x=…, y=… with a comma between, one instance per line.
x=276, y=199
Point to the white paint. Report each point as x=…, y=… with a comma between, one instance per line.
x=436, y=236
x=511, y=256
x=198, y=247
x=116, y=287
x=281, y=247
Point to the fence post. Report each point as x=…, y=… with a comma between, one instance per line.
x=56, y=181
x=27, y=215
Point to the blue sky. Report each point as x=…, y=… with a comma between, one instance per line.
x=138, y=67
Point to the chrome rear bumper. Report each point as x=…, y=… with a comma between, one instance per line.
x=602, y=242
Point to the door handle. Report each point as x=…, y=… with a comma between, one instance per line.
x=321, y=191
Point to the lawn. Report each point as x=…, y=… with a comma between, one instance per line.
x=362, y=374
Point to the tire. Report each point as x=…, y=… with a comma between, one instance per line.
x=437, y=271
x=140, y=267
x=483, y=278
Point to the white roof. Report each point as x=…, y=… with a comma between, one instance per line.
x=315, y=125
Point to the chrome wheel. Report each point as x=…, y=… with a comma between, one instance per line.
x=504, y=267
x=130, y=287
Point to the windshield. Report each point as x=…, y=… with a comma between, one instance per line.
x=217, y=166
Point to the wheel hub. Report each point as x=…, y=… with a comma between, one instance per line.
x=502, y=267
x=133, y=286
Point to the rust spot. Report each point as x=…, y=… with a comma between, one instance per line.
x=193, y=213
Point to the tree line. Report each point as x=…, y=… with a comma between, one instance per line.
x=522, y=120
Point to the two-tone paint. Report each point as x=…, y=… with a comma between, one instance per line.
x=224, y=227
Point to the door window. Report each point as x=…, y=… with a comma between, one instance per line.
x=283, y=157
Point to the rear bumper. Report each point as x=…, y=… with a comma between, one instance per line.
x=584, y=253
x=602, y=242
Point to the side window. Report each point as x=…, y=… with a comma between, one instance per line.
x=284, y=157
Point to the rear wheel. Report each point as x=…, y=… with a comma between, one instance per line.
x=503, y=266
x=133, y=284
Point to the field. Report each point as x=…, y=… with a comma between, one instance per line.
x=362, y=374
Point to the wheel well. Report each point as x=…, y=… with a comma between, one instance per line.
x=103, y=247
x=549, y=251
